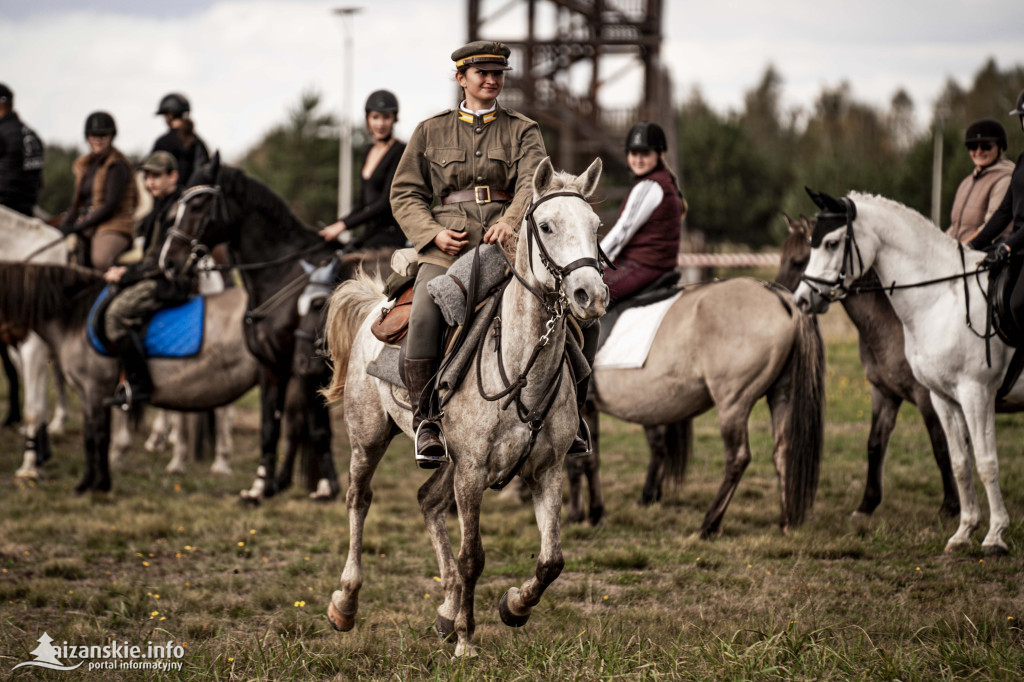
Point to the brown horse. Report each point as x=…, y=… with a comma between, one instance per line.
x=727, y=344
x=880, y=345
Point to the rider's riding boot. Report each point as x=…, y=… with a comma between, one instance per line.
x=137, y=386
x=581, y=443
x=430, y=450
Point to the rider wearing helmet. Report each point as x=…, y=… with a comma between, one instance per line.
x=981, y=192
x=104, y=199
x=180, y=140
x=372, y=209
x=644, y=243
x=1010, y=213
x=465, y=177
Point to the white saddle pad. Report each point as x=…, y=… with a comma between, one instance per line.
x=631, y=338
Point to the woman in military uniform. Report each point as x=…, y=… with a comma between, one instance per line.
x=477, y=162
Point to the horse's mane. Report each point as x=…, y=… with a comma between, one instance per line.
x=33, y=293
x=908, y=214
x=258, y=197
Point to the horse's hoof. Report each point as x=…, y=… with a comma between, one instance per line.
x=507, y=617
x=596, y=516
x=952, y=547
x=247, y=500
x=339, y=621
x=445, y=628
x=574, y=517
x=995, y=550
x=326, y=491
x=26, y=474
x=221, y=470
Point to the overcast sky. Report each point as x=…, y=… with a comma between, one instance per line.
x=244, y=63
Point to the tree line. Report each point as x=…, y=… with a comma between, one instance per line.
x=740, y=169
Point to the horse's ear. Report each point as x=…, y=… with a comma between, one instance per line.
x=805, y=225
x=794, y=226
x=215, y=167
x=591, y=178
x=542, y=176
x=815, y=197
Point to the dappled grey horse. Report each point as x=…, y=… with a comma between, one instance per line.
x=557, y=273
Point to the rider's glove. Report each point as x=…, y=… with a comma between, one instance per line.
x=996, y=255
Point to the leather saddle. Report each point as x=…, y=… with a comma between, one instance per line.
x=1002, y=279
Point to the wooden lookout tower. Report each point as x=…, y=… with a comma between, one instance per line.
x=566, y=55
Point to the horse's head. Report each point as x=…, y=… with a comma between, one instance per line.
x=836, y=260
x=201, y=221
x=559, y=239
x=795, y=253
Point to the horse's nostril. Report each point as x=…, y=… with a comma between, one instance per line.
x=581, y=296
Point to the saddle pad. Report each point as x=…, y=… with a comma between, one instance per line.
x=385, y=366
x=631, y=337
x=172, y=333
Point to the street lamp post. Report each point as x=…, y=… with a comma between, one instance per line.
x=345, y=136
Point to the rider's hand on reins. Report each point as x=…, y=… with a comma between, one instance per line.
x=997, y=255
x=497, y=233
x=450, y=241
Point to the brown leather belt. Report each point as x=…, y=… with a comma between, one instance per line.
x=481, y=194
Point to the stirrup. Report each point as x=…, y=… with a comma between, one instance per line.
x=586, y=438
x=426, y=461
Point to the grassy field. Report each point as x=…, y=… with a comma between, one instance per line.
x=244, y=591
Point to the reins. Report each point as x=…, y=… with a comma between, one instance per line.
x=839, y=290
x=555, y=302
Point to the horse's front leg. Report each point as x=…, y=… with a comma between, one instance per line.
x=435, y=498
x=271, y=408
x=517, y=604
x=224, y=418
x=950, y=499
x=885, y=407
x=319, y=423
x=469, y=492
x=981, y=424
x=96, y=428
x=953, y=423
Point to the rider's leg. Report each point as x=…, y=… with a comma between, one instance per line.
x=124, y=319
x=106, y=247
x=582, y=443
x=420, y=366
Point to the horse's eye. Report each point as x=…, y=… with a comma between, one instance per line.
x=545, y=228
x=832, y=245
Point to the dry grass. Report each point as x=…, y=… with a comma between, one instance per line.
x=168, y=558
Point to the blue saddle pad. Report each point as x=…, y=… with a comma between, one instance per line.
x=172, y=332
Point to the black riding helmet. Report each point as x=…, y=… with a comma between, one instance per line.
x=383, y=101
x=986, y=130
x=100, y=123
x=174, y=104
x=646, y=136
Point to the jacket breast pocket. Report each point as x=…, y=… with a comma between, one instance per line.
x=508, y=156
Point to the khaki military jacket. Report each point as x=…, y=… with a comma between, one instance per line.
x=445, y=155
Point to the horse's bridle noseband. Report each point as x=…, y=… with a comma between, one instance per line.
x=558, y=272
x=196, y=247
x=825, y=222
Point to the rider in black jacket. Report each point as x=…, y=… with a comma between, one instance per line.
x=1010, y=212
x=21, y=158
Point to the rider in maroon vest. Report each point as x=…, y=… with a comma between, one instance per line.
x=644, y=242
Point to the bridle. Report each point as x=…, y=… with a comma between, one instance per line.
x=833, y=290
x=557, y=272
x=196, y=247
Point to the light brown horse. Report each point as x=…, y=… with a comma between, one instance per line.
x=54, y=301
x=726, y=344
x=880, y=345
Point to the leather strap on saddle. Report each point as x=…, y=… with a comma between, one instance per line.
x=481, y=194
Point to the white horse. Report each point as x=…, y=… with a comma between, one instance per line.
x=489, y=440
x=946, y=356
x=22, y=237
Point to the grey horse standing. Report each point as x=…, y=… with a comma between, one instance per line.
x=557, y=272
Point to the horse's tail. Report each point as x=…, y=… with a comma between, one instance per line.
x=678, y=445
x=801, y=433
x=351, y=303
